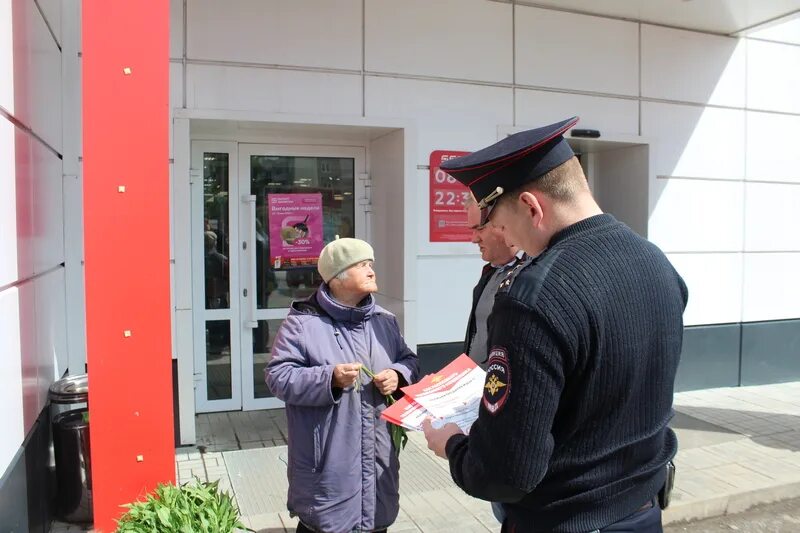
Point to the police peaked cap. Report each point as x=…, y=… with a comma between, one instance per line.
x=512, y=162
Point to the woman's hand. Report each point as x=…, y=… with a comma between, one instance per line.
x=345, y=374
x=386, y=381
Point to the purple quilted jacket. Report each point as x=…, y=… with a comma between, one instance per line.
x=343, y=471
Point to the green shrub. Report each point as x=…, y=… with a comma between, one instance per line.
x=194, y=507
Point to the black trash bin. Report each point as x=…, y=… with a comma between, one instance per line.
x=71, y=448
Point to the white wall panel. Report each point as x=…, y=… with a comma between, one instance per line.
x=39, y=207
x=43, y=113
x=786, y=32
x=568, y=51
x=316, y=33
x=609, y=115
x=11, y=371
x=445, y=297
x=277, y=91
x=8, y=205
x=692, y=67
x=773, y=76
x=771, y=217
x=715, y=287
x=47, y=200
x=72, y=89
x=695, y=142
x=52, y=12
x=51, y=331
x=42, y=335
x=771, y=290
x=6, y=58
x=772, y=147
x=465, y=39
x=449, y=116
x=175, y=28
x=25, y=182
x=698, y=216
x=30, y=362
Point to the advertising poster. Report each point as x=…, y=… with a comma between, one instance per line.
x=448, y=220
x=295, y=229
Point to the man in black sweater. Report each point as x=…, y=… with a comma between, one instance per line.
x=572, y=433
x=499, y=257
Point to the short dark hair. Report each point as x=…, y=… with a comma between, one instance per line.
x=561, y=183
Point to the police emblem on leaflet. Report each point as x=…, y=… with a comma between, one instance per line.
x=498, y=381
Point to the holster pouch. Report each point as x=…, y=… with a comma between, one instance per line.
x=666, y=491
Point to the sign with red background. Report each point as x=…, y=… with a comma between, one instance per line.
x=448, y=220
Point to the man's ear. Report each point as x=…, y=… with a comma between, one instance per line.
x=532, y=206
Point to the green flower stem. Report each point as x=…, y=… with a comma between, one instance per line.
x=398, y=433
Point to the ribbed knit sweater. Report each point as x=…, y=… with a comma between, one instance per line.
x=591, y=334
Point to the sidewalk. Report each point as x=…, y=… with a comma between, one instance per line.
x=738, y=447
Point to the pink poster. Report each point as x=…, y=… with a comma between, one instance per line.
x=295, y=229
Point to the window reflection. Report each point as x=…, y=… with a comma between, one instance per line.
x=216, y=230
x=334, y=179
x=218, y=359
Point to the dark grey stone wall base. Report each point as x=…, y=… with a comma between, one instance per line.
x=770, y=352
x=26, y=488
x=710, y=357
x=14, y=497
x=432, y=357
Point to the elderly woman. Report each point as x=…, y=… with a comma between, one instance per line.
x=343, y=471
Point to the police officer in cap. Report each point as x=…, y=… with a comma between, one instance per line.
x=584, y=344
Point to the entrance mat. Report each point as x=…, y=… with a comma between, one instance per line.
x=258, y=479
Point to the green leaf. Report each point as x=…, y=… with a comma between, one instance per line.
x=163, y=515
x=398, y=434
x=194, y=507
x=399, y=437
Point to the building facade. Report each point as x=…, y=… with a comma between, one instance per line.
x=345, y=101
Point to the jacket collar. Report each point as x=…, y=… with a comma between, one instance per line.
x=344, y=313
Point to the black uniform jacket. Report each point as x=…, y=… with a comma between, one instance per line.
x=584, y=344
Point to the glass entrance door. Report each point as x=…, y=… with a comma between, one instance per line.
x=215, y=284
x=260, y=215
x=294, y=200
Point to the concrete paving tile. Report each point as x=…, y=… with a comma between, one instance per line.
x=741, y=478
x=252, y=445
x=223, y=447
x=404, y=524
x=181, y=456
x=699, y=458
x=792, y=458
x=703, y=484
x=214, y=475
x=265, y=522
x=776, y=469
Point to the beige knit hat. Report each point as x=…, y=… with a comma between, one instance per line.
x=341, y=254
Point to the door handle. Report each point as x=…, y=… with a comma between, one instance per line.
x=250, y=249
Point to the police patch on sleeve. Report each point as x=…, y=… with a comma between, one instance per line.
x=498, y=380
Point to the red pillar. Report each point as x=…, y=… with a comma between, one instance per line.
x=126, y=224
